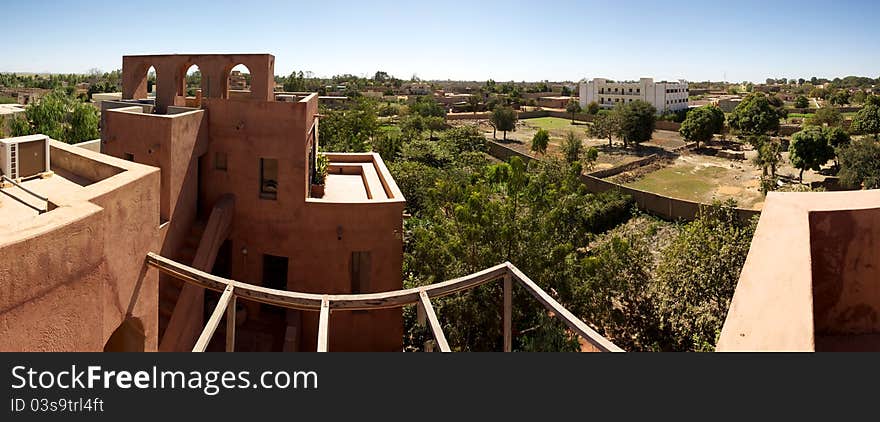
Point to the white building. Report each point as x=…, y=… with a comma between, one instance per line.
x=665, y=96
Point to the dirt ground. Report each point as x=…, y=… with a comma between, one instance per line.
x=521, y=138
x=705, y=178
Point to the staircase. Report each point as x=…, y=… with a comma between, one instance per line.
x=184, y=321
x=169, y=290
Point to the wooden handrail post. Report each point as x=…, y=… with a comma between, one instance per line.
x=508, y=313
x=230, y=324
x=211, y=326
x=439, y=337
x=324, y=325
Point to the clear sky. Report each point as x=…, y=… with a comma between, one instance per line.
x=473, y=40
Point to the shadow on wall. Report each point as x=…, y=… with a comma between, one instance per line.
x=128, y=337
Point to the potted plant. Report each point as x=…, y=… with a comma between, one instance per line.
x=321, y=165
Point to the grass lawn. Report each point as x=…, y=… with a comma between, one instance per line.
x=552, y=123
x=684, y=182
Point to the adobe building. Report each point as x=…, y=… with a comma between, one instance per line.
x=72, y=247
x=223, y=187
x=235, y=201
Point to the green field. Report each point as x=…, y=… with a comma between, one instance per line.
x=551, y=123
x=683, y=182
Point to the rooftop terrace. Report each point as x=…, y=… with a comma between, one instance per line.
x=356, y=177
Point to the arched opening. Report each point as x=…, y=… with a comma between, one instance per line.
x=238, y=83
x=152, y=82
x=128, y=337
x=191, y=86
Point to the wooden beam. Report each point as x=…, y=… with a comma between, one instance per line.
x=573, y=322
x=434, y=322
x=324, y=325
x=230, y=325
x=311, y=301
x=508, y=313
x=211, y=326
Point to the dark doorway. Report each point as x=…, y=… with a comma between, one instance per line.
x=274, y=276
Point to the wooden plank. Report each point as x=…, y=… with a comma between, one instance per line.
x=434, y=322
x=211, y=326
x=508, y=314
x=573, y=322
x=324, y=325
x=230, y=325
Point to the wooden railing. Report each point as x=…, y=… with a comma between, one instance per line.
x=324, y=304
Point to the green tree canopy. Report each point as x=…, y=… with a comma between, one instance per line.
x=604, y=126
x=701, y=124
x=867, y=120
x=572, y=147
x=860, y=164
x=754, y=116
x=801, y=102
x=60, y=117
x=825, y=116
x=593, y=108
x=349, y=129
x=809, y=149
x=540, y=141
x=504, y=119
x=635, y=121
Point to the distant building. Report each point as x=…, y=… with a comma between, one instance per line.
x=726, y=103
x=554, y=102
x=665, y=96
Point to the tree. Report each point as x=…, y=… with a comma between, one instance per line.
x=867, y=120
x=825, y=116
x=754, y=116
x=426, y=106
x=698, y=274
x=504, y=119
x=604, y=126
x=349, y=129
x=840, y=97
x=859, y=97
x=573, y=107
x=635, y=121
x=60, y=117
x=474, y=103
x=593, y=108
x=769, y=156
x=590, y=157
x=809, y=149
x=572, y=147
x=540, y=141
x=860, y=164
x=701, y=124
x=838, y=139
x=801, y=102
x=433, y=124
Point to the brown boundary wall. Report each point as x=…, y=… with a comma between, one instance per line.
x=625, y=167
x=662, y=206
x=581, y=117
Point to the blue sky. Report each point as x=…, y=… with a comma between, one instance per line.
x=475, y=40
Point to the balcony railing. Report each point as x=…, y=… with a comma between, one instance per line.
x=324, y=304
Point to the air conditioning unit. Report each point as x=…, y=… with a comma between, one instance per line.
x=24, y=156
